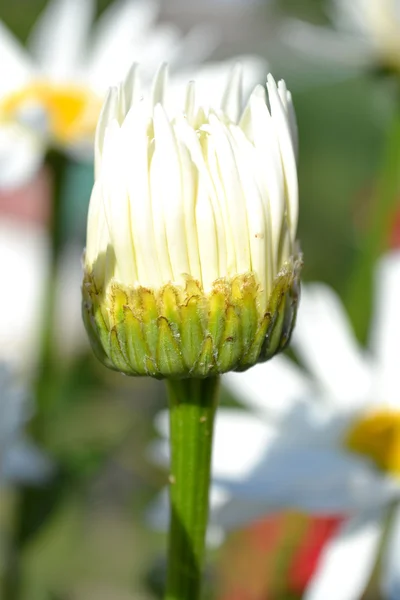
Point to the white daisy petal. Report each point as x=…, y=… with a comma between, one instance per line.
x=21, y=156
x=212, y=79
x=119, y=28
x=385, y=333
x=312, y=478
x=270, y=388
x=16, y=66
x=196, y=47
x=347, y=561
x=239, y=440
x=58, y=40
x=327, y=346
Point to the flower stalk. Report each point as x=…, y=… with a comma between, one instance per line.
x=192, y=409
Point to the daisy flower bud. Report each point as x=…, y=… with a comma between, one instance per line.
x=191, y=267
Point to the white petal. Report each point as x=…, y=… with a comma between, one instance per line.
x=207, y=237
x=159, y=85
x=21, y=156
x=233, y=199
x=117, y=207
x=108, y=112
x=272, y=388
x=286, y=99
x=390, y=576
x=117, y=31
x=189, y=180
x=24, y=255
x=209, y=212
x=16, y=67
x=156, y=47
x=259, y=127
x=310, y=477
x=239, y=441
x=232, y=99
x=58, y=40
x=327, y=346
x=190, y=99
x=288, y=152
x=258, y=222
x=169, y=186
x=136, y=171
x=385, y=333
x=346, y=564
x=212, y=79
x=196, y=47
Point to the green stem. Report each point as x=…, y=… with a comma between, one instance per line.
x=192, y=409
x=45, y=391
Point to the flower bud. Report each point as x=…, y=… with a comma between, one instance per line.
x=190, y=266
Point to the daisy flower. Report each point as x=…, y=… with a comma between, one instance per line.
x=324, y=439
x=57, y=85
x=365, y=34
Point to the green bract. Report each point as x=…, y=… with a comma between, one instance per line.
x=181, y=331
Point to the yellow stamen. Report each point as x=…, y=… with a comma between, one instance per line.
x=377, y=436
x=72, y=111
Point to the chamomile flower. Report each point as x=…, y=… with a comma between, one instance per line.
x=55, y=87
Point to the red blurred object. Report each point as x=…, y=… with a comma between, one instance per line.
x=274, y=556
x=30, y=203
x=246, y=565
x=306, y=556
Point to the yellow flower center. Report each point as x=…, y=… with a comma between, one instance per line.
x=72, y=111
x=377, y=436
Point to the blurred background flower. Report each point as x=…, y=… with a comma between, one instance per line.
x=55, y=88
x=364, y=35
x=90, y=530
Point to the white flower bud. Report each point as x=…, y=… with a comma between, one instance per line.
x=204, y=193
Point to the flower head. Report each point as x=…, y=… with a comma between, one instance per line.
x=190, y=265
x=55, y=88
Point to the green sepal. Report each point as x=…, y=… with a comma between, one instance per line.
x=192, y=334
x=149, y=317
x=117, y=356
x=181, y=331
x=206, y=365
x=230, y=349
x=135, y=344
x=169, y=356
